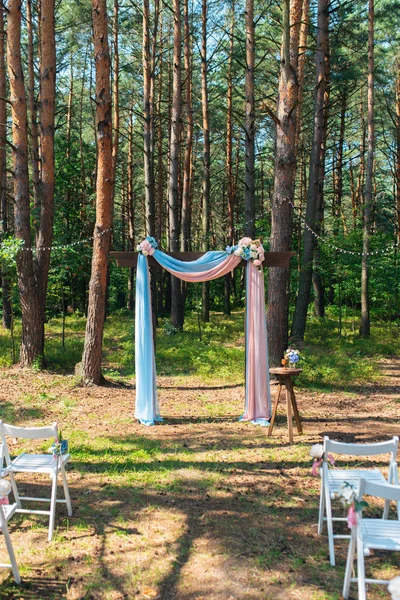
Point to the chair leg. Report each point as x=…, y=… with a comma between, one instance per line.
x=362, y=592
x=15, y=489
x=329, y=523
x=66, y=491
x=9, y=546
x=349, y=566
x=321, y=508
x=53, y=502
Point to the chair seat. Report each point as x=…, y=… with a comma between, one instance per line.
x=36, y=463
x=380, y=534
x=336, y=477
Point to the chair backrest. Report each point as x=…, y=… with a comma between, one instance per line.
x=27, y=433
x=374, y=449
x=387, y=491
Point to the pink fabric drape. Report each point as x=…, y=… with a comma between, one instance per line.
x=258, y=402
x=231, y=262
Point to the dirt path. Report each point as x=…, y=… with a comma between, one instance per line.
x=200, y=507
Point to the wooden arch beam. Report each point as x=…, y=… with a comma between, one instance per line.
x=129, y=259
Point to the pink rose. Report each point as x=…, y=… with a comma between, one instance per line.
x=151, y=251
x=262, y=256
x=246, y=241
x=256, y=262
x=146, y=246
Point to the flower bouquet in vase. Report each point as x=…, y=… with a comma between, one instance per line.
x=292, y=357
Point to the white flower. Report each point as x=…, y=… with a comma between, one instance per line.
x=5, y=487
x=238, y=252
x=317, y=451
x=138, y=248
x=394, y=588
x=144, y=252
x=253, y=254
x=253, y=247
x=346, y=493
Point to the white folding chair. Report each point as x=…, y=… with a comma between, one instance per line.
x=36, y=463
x=333, y=478
x=371, y=534
x=6, y=512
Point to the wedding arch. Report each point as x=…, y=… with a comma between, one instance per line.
x=200, y=267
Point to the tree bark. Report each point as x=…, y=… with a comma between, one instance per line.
x=34, y=135
x=5, y=284
x=188, y=163
x=206, y=182
x=284, y=178
x=32, y=342
x=398, y=146
x=173, y=199
x=228, y=162
x=47, y=111
x=91, y=359
x=365, y=327
x=148, y=130
x=249, y=125
x=115, y=95
x=303, y=297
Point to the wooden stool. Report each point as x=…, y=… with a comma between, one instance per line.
x=285, y=380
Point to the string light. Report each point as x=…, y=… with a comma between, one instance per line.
x=337, y=248
x=65, y=246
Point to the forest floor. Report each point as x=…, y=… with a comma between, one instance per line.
x=200, y=507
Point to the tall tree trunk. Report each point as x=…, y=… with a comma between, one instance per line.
x=148, y=131
x=91, y=359
x=115, y=95
x=188, y=163
x=32, y=342
x=228, y=161
x=369, y=178
x=34, y=136
x=205, y=191
x=173, y=197
x=249, y=125
x=398, y=146
x=319, y=295
x=5, y=284
x=338, y=212
x=303, y=297
x=47, y=112
x=284, y=178
x=305, y=11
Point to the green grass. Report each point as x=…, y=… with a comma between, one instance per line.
x=327, y=359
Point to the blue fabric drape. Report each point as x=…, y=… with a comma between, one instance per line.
x=208, y=261
x=147, y=409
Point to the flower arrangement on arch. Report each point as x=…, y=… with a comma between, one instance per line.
x=148, y=246
x=347, y=496
x=317, y=453
x=249, y=249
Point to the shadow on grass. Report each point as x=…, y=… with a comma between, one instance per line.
x=33, y=587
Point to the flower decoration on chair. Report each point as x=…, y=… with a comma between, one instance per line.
x=292, y=356
x=394, y=588
x=249, y=249
x=59, y=446
x=317, y=453
x=347, y=496
x=148, y=246
x=5, y=488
